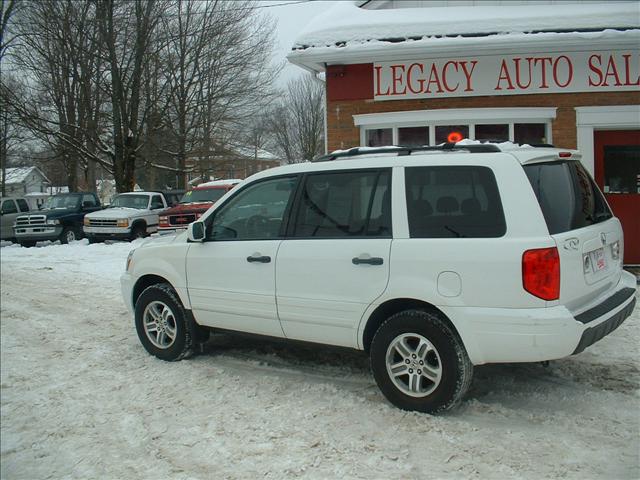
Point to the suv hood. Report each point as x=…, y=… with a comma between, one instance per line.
x=156, y=241
x=117, y=213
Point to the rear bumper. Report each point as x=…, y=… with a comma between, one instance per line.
x=496, y=335
x=592, y=334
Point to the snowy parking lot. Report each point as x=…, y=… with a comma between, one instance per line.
x=82, y=399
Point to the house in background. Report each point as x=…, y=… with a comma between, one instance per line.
x=28, y=182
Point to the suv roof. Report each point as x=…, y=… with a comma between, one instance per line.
x=523, y=153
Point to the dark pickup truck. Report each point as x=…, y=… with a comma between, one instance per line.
x=61, y=219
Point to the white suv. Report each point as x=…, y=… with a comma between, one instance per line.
x=431, y=259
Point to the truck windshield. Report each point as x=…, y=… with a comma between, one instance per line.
x=567, y=195
x=204, y=195
x=62, y=202
x=131, y=201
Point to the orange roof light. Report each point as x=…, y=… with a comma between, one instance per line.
x=454, y=137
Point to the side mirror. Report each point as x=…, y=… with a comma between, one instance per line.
x=195, y=232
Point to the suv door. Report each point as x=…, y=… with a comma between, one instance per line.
x=335, y=260
x=231, y=275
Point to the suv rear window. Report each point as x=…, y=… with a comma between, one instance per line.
x=450, y=202
x=568, y=196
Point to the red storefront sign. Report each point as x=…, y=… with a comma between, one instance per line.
x=592, y=71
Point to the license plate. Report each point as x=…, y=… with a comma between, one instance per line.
x=598, y=260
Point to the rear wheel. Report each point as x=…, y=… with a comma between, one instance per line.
x=419, y=363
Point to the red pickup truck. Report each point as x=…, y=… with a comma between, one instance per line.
x=193, y=204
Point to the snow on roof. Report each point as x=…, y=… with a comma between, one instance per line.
x=20, y=174
x=348, y=28
x=347, y=23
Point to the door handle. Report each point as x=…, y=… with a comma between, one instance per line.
x=259, y=259
x=367, y=261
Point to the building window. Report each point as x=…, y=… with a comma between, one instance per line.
x=495, y=132
x=531, y=133
x=379, y=137
x=413, y=136
x=431, y=127
x=451, y=133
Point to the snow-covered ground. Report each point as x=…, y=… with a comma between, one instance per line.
x=82, y=399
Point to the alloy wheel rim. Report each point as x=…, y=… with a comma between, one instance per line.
x=159, y=324
x=413, y=365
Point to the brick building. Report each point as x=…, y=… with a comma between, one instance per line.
x=537, y=72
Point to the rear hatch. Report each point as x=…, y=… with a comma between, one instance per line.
x=588, y=236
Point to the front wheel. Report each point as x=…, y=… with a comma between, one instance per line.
x=420, y=363
x=68, y=235
x=162, y=323
x=138, y=231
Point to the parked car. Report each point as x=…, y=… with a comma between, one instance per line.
x=431, y=260
x=193, y=204
x=10, y=208
x=129, y=216
x=61, y=219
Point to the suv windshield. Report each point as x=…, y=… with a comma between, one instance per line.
x=567, y=195
x=204, y=195
x=69, y=202
x=131, y=201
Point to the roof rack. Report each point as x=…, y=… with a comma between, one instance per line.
x=401, y=151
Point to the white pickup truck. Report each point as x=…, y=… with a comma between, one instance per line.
x=131, y=215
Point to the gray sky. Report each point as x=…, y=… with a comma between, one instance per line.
x=292, y=19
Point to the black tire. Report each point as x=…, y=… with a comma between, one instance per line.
x=69, y=234
x=450, y=362
x=138, y=231
x=27, y=244
x=185, y=333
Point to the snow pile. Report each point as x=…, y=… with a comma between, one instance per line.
x=346, y=22
x=82, y=399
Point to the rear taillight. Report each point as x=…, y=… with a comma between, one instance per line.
x=541, y=273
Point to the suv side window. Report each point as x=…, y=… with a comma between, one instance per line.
x=254, y=213
x=345, y=204
x=9, y=206
x=24, y=207
x=453, y=202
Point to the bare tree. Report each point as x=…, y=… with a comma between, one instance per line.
x=218, y=57
x=58, y=65
x=140, y=86
x=297, y=123
x=125, y=31
x=6, y=136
